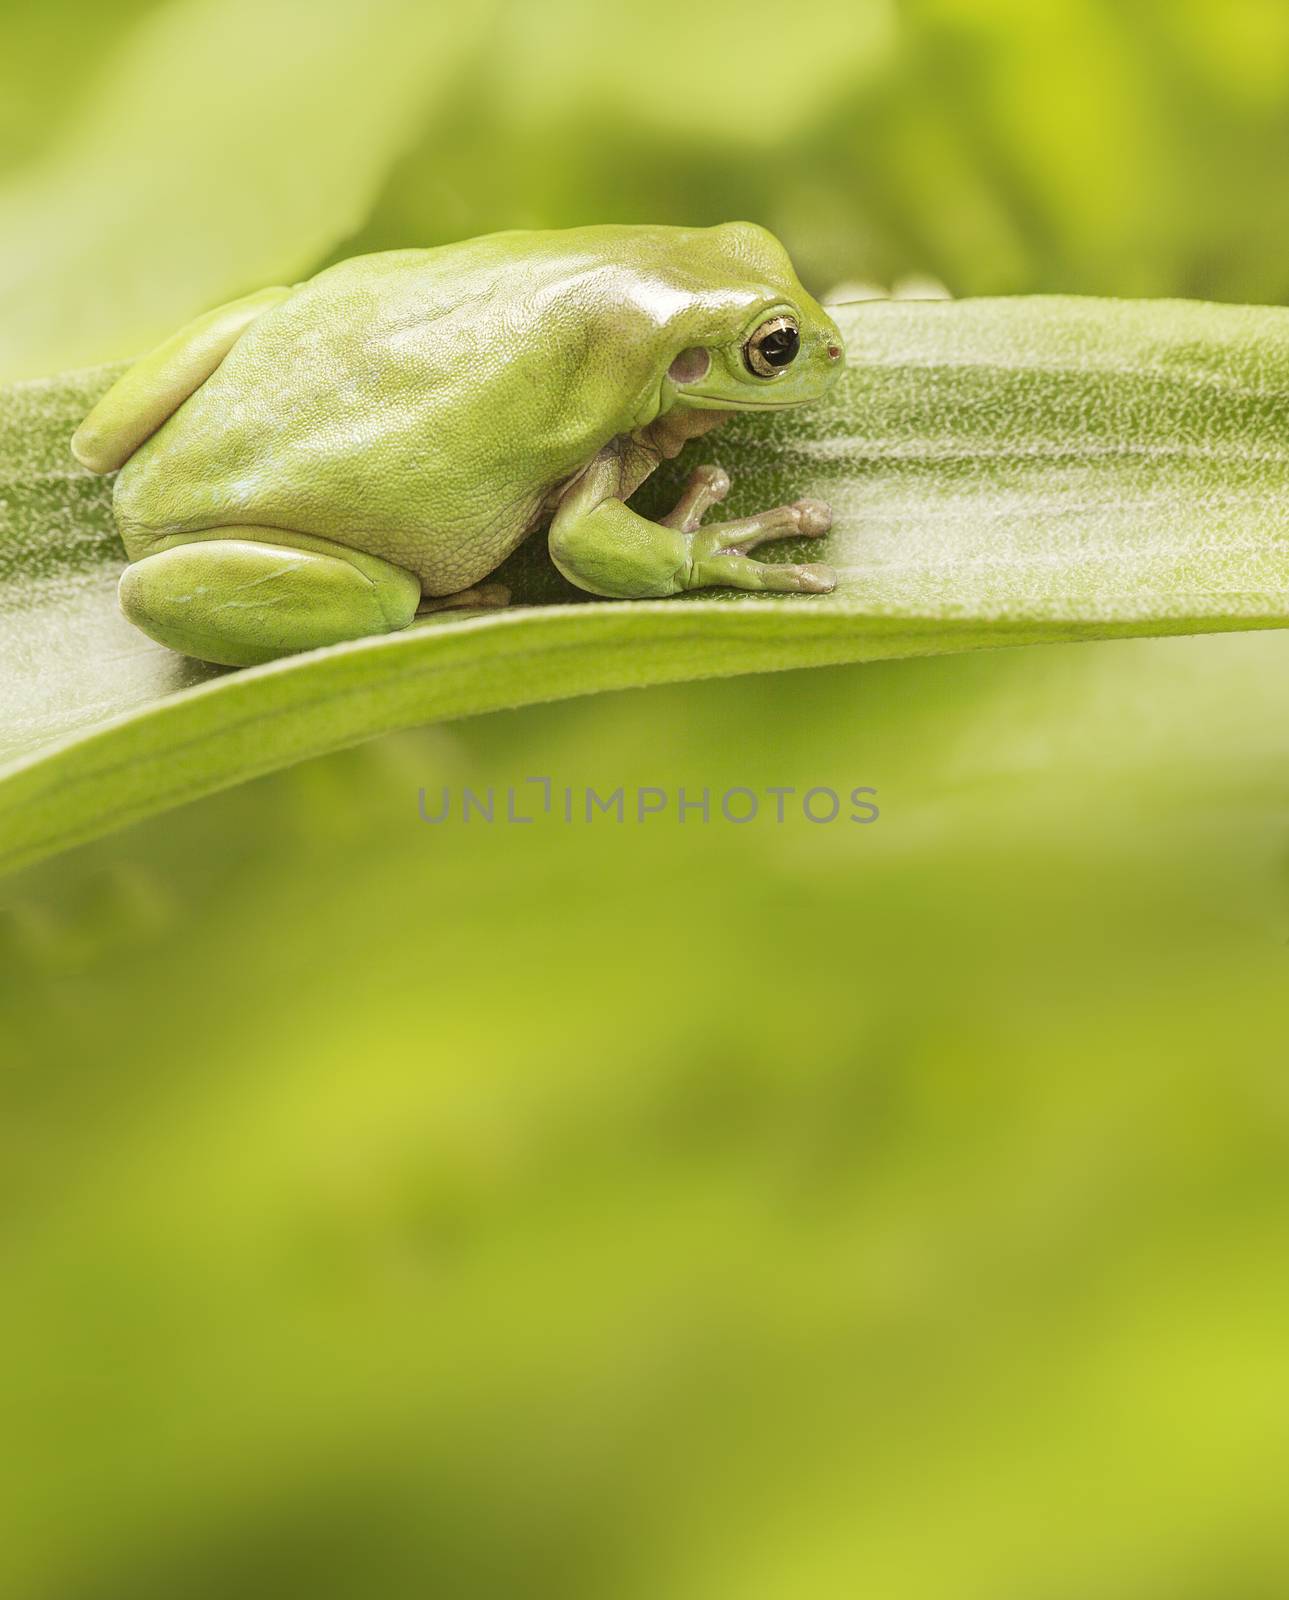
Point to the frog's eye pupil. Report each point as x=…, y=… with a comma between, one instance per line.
x=772, y=347
x=779, y=348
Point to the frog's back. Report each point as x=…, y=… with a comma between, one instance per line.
x=421, y=404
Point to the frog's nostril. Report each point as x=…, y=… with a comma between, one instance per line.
x=834, y=352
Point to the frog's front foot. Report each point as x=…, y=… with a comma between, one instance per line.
x=718, y=555
x=605, y=547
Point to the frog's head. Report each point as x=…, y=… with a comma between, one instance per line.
x=769, y=345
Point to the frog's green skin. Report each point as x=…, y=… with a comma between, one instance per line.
x=312, y=464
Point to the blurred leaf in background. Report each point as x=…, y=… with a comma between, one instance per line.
x=158, y=158
x=221, y=144
x=694, y=1211
x=1077, y=146
x=669, y=1209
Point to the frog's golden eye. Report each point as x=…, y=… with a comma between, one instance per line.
x=772, y=347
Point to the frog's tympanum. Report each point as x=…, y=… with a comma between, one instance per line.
x=318, y=463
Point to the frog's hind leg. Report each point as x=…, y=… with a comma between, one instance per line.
x=479, y=597
x=243, y=595
x=157, y=384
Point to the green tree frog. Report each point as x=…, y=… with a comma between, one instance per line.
x=319, y=463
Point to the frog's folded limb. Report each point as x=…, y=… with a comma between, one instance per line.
x=478, y=597
x=601, y=545
x=241, y=596
x=158, y=384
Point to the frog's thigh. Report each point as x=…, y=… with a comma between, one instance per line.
x=242, y=595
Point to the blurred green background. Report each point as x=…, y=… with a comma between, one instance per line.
x=609, y=1210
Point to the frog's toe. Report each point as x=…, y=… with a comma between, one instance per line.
x=713, y=478
x=707, y=486
x=736, y=571
x=808, y=518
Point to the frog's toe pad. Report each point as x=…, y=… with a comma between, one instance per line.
x=814, y=517
x=815, y=578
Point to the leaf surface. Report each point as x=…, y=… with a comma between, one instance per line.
x=1001, y=472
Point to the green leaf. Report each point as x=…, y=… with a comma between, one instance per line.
x=1002, y=472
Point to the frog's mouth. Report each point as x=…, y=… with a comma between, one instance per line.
x=722, y=403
